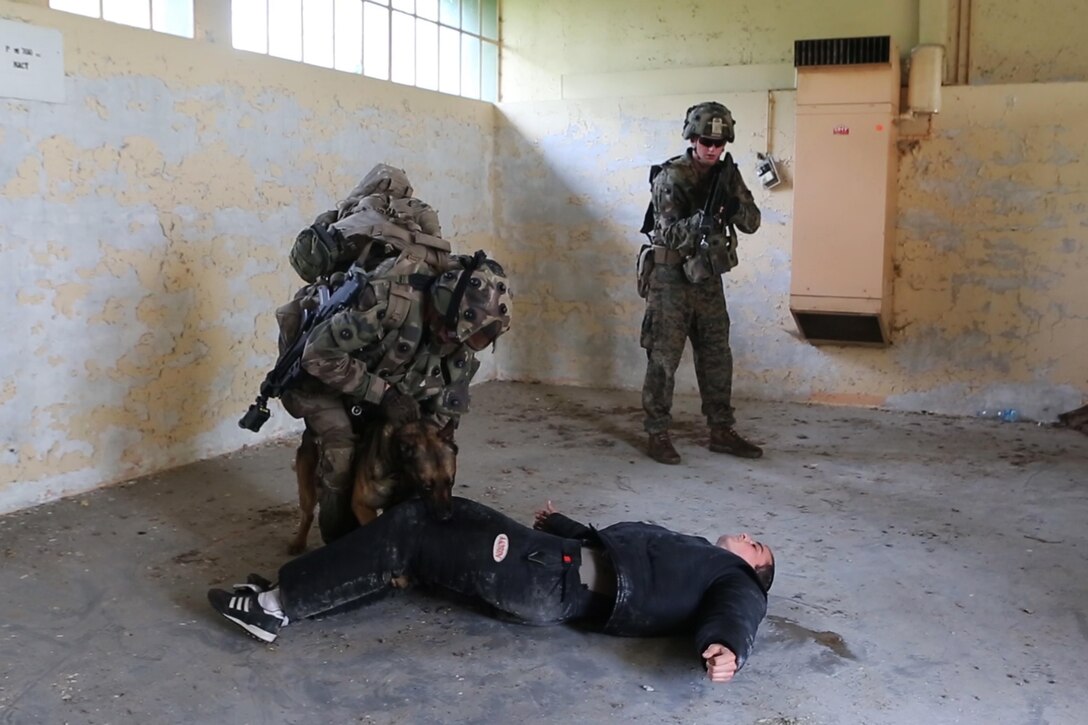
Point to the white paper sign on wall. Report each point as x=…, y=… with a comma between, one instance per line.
x=31, y=62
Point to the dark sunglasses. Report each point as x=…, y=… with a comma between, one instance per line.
x=711, y=143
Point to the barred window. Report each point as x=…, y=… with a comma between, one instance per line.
x=450, y=46
x=165, y=16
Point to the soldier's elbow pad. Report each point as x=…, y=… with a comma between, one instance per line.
x=453, y=401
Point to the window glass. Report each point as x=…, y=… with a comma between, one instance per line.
x=489, y=67
x=470, y=66
x=445, y=45
x=284, y=29
x=470, y=16
x=376, y=41
x=489, y=13
x=427, y=9
x=427, y=54
x=90, y=8
x=449, y=13
x=404, y=49
x=128, y=12
x=317, y=35
x=172, y=16
x=449, y=60
x=348, y=35
x=249, y=25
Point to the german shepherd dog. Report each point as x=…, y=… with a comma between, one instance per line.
x=392, y=464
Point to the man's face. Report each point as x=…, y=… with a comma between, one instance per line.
x=707, y=151
x=747, y=548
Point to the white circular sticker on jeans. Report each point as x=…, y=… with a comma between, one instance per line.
x=500, y=547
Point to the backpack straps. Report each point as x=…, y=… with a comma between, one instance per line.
x=648, y=219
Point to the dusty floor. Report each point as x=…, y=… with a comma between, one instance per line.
x=930, y=570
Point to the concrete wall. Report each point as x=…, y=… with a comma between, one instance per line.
x=1027, y=42
x=552, y=48
x=144, y=227
x=144, y=222
x=545, y=42
x=990, y=309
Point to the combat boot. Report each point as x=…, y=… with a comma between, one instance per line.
x=661, y=450
x=727, y=440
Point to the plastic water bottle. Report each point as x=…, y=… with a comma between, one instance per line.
x=1009, y=415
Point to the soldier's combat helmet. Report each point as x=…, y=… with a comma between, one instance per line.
x=473, y=301
x=709, y=120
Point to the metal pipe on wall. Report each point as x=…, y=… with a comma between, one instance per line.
x=963, y=44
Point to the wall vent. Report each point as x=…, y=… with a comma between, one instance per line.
x=833, y=327
x=842, y=51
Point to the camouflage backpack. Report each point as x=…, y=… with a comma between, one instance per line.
x=377, y=220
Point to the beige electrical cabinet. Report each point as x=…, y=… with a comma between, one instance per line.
x=845, y=189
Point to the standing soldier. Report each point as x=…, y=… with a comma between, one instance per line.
x=693, y=244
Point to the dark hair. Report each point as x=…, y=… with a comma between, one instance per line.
x=765, y=574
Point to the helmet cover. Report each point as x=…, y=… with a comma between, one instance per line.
x=710, y=120
x=482, y=298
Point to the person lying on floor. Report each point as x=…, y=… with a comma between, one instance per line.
x=629, y=579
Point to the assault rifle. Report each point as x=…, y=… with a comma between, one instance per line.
x=718, y=208
x=289, y=365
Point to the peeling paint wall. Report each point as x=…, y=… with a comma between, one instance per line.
x=544, y=41
x=1027, y=42
x=990, y=302
x=546, y=44
x=989, y=296
x=992, y=295
x=144, y=230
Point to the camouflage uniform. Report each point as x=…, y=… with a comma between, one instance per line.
x=678, y=309
x=385, y=343
x=378, y=219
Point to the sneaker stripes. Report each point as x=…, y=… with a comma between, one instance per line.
x=243, y=608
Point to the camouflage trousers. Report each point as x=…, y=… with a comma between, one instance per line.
x=327, y=418
x=677, y=310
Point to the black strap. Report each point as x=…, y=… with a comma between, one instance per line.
x=326, y=237
x=454, y=310
x=648, y=219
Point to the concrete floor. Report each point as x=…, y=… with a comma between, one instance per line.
x=930, y=570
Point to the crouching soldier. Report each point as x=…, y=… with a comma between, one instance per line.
x=404, y=347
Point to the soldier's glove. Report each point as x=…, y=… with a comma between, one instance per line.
x=399, y=408
x=732, y=206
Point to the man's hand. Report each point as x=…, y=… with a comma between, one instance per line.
x=721, y=663
x=542, y=514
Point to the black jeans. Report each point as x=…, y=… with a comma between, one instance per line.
x=529, y=575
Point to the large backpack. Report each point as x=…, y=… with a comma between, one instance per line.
x=377, y=220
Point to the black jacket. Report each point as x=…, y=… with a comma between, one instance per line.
x=668, y=582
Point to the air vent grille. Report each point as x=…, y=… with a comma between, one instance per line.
x=842, y=51
x=842, y=328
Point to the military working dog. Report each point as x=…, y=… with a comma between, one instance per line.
x=392, y=464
